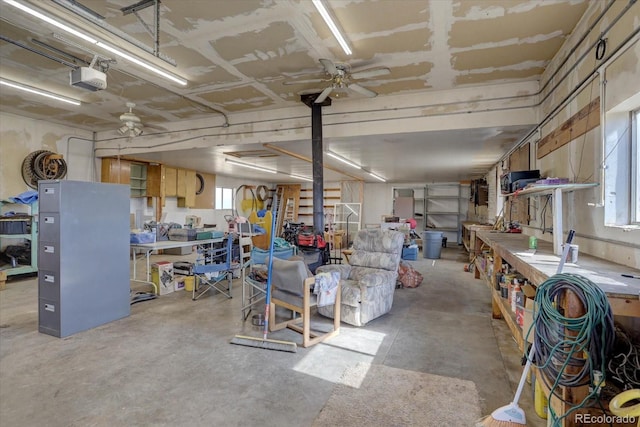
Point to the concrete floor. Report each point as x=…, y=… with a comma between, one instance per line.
x=170, y=361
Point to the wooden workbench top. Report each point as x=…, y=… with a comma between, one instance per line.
x=541, y=264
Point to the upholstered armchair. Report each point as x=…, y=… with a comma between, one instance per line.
x=369, y=281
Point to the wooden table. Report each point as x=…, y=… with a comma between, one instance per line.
x=469, y=230
x=623, y=292
x=537, y=266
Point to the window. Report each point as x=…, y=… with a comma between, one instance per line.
x=224, y=198
x=635, y=166
x=622, y=166
x=620, y=161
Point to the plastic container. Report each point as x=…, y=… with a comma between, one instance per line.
x=432, y=244
x=189, y=283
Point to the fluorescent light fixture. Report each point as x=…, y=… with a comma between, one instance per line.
x=247, y=165
x=379, y=178
x=343, y=160
x=304, y=178
x=39, y=92
x=332, y=26
x=141, y=63
x=51, y=21
x=91, y=40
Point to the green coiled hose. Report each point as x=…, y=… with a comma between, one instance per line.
x=572, y=352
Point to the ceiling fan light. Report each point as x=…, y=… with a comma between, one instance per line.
x=136, y=131
x=332, y=26
x=123, y=130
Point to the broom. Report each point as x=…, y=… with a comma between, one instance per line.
x=512, y=415
x=263, y=342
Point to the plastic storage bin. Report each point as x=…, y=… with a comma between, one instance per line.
x=410, y=253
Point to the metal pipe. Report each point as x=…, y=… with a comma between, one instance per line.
x=569, y=97
x=156, y=18
x=317, y=160
x=91, y=17
x=39, y=52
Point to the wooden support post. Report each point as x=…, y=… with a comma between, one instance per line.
x=3, y=280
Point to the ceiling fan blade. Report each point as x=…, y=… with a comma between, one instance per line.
x=366, y=74
x=329, y=66
x=301, y=82
x=155, y=127
x=362, y=90
x=129, y=117
x=325, y=93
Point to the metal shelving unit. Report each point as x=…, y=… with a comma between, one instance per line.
x=443, y=210
x=32, y=237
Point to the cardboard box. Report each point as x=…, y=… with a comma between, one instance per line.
x=529, y=292
x=179, y=283
x=527, y=320
x=260, y=241
x=162, y=276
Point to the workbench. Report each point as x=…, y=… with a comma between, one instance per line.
x=537, y=266
x=148, y=248
x=469, y=230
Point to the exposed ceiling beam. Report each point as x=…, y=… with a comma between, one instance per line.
x=308, y=160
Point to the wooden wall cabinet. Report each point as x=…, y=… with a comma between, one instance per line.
x=186, y=188
x=155, y=181
x=116, y=171
x=170, y=181
x=123, y=171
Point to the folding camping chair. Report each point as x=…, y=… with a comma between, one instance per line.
x=212, y=267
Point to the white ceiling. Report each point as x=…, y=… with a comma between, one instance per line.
x=236, y=55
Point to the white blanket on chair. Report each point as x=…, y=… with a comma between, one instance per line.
x=326, y=287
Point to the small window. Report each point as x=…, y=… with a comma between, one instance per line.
x=224, y=198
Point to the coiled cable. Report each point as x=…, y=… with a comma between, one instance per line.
x=572, y=351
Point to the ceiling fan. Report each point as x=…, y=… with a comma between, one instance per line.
x=131, y=124
x=340, y=76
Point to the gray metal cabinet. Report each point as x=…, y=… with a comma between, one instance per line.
x=83, y=255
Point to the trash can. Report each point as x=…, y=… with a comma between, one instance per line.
x=431, y=244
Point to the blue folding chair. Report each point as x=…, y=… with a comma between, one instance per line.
x=212, y=267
